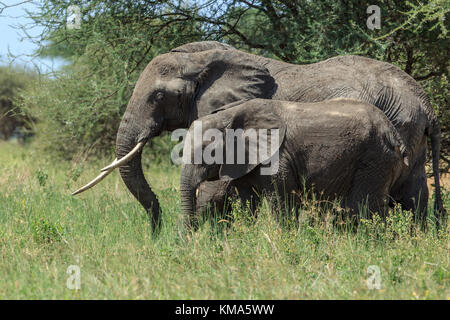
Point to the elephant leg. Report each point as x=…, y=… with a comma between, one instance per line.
x=363, y=202
x=413, y=192
x=369, y=193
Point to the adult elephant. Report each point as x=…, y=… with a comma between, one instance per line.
x=197, y=78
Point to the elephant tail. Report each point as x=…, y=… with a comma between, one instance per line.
x=440, y=212
x=434, y=132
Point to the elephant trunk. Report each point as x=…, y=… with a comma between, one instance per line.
x=130, y=133
x=188, y=198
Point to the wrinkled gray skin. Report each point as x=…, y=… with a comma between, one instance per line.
x=197, y=78
x=338, y=149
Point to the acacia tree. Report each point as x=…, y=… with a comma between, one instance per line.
x=118, y=38
x=82, y=104
x=12, y=119
x=413, y=36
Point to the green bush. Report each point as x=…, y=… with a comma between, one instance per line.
x=45, y=232
x=80, y=108
x=78, y=111
x=12, y=119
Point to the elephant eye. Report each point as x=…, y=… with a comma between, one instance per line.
x=158, y=96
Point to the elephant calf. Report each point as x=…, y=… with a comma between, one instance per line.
x=338, y=149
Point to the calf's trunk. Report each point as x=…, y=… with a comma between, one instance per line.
x=188, y=199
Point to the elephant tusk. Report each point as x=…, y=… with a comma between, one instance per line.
x=99, y=178
x=117, y=163
x=108, y=169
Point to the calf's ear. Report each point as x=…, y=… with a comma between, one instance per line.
x=262, y=132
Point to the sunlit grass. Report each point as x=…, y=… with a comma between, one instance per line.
x=44, y=230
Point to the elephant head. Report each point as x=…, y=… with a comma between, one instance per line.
x=173, y=90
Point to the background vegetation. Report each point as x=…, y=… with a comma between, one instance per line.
x=13, y=121
x=83, y=104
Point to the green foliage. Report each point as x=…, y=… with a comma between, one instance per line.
x=45, y=232
x=81, y=107
x=438, y=89
x=397, y=225
x=76, y=111
x=12, y=119
x=42, y=177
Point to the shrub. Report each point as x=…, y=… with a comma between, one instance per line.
x=45, y=232
x=12, y=120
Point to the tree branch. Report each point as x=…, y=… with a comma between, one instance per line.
x=5, y=6
x=427, y=76
x=409, y=59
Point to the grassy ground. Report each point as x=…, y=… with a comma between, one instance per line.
x=44, y=230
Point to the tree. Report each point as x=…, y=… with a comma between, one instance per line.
x=81, y=106
x=12, y=119
x=118, y=38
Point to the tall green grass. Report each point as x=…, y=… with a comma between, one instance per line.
x=44, y=230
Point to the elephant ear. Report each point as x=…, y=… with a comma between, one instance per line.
x=202, y=46
x=226, y=76
x=260, y=121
